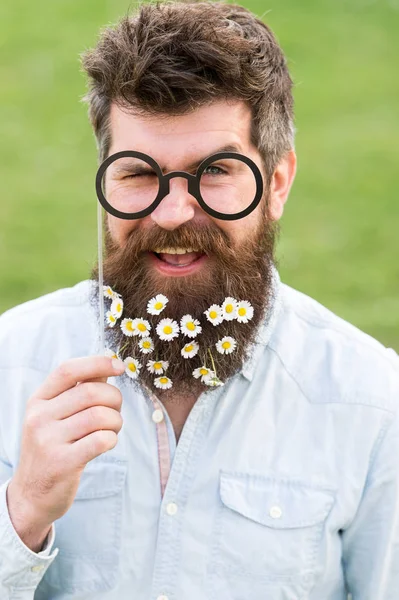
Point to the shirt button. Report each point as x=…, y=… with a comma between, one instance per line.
x=157, y=415
x=171, y=509
x=37, y=568
x=275, y=512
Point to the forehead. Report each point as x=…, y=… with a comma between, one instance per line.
x=173, y=139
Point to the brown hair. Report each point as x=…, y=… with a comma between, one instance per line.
x=172, y=57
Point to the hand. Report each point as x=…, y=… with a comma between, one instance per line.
x=73, y=417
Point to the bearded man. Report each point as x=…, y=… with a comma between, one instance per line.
x=258, y=456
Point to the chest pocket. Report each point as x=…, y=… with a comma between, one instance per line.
x=89, y=534
x=268, y=537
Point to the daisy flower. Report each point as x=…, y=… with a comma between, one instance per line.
x=117, y=307
x=189, y=326
x=128, y=327
x=190, y=350
x=229, y=309
x=142, y=327
x=146, y=345
x=214, y=314
x=213, y=381
x=108, y=292
x=157, y=366
x=164, y=383
x=111, y=319
x=132, y=367
x=156, y=305
x=167, y=329
x=110, y=353
x=245, y=311
x=226, y=345
x=203, y=372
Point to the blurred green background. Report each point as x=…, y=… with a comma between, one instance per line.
x=339, y=242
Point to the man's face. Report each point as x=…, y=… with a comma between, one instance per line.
x=232, y=258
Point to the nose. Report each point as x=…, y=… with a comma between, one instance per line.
x=177, y=207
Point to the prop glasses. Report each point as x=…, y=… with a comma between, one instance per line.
x=227, y=185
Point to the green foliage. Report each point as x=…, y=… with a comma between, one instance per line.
x=339, y=240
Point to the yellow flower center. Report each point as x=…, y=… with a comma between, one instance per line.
x=118, y=307
x=112, y=318
x=158, y=305
x=129, y=326
x=147, y=344
x=229, y=308
x=142, y=327
x=157, y=366
x=190, y=325
x=226, y=345
x=114, y=356
x=163, y=379
x=213, y=314
x=189, y=348
x=132, y=367
x=167, y=329
x=242, y=312
x=204, y=371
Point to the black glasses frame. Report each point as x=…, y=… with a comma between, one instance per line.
x=193, y=184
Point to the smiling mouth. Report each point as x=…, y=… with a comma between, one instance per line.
x=178, y=259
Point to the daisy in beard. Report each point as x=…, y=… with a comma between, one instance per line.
x=142, y=326
x=190, y=350
x=213, y=381
x=203, y=372
x=132, y=367
x=156, y=305
x=108, y=292
x=168, y=329
x=226, y=345
x=189, y=326
x=111, y=319
x=117, y=307
x=163, y=383
x=110, y=353
x=245, y=311
x=157, y=366
x=146, y=345
x=128, y=327
x=229, y=309
x=214, y=314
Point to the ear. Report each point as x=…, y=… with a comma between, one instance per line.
x=281, y=183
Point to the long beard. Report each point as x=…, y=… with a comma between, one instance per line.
x=244, y=273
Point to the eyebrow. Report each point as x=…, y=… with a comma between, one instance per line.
x=226, y=148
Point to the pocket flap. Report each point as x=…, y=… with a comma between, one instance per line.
x=101, y=479
x=274, y=502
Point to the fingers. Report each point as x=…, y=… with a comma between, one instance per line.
x=95, y=418
x=75, y=370
x=83, y=396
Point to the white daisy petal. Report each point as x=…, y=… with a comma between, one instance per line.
x=167, y=329
x=117, y=307
x=110, y=353
x=163, y=382
x=128, y=327
x=226, y=345
x=108, y=292
x=213, y=381
x=189, y=326
x=157, y=366
x=214, y=314
x=245, y=311
x=229, y=309
x=190, y=350
x=146, y=345
x=203, y=372
x=111, y=319
x=132, y=367
x=142, y=327
x=156, y=305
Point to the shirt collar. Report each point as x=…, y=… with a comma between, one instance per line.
x=266, y=328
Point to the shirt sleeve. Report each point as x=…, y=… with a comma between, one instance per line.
x=21, y=569
x=371, y=542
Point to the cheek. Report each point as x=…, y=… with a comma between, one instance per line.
x=119, y=229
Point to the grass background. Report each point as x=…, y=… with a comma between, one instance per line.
x=339, y=242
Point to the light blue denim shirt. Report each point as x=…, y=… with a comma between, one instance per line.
x=284, y=484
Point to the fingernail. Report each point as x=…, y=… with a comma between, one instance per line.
x=118, y=365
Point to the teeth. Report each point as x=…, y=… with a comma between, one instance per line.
x=173, y=250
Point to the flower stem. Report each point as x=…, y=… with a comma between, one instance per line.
x=123, y=347
x=213, y=364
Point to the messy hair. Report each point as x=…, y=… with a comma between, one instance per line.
x=172, y=57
